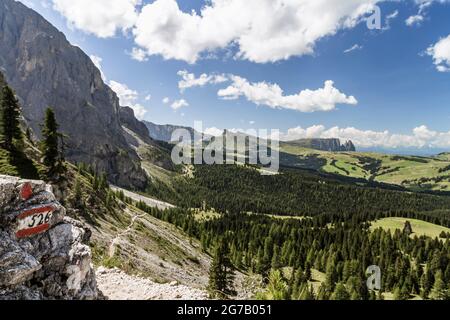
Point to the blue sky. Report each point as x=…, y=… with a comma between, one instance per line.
x=403, y=100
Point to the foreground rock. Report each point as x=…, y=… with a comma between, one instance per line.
x=42, y=252
x=117, y=285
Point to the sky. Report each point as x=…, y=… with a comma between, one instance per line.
x=376, y=72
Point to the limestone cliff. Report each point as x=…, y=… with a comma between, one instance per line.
x=46, y=70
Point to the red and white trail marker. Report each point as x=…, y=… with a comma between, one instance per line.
x=34, y=221
x=26, y=192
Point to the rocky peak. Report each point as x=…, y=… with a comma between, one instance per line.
x=46, y=70
x=42, y=252
x=129, y=121
x=332, y=145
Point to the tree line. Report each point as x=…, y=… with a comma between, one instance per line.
x=14, y=134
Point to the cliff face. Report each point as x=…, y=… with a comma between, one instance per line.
x=46, y=70
x=333, y=145
x=43, y=254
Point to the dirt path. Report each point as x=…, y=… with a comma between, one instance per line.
x=114, y=242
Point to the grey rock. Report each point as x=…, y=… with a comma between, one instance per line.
x=333, y=145
x=164, y=132
x=52, y=264
x=46, y=70
x=128, y=120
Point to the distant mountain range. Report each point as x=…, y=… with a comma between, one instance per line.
x=164, y=132
x=333, y=145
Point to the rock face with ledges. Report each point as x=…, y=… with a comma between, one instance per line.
x=333, y=145
x=46, y=70
x=41, y=259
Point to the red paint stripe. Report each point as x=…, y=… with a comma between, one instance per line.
x=33, y=211
x=32, y=231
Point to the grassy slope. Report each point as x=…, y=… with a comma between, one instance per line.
x=417, y=173
x=419, y=227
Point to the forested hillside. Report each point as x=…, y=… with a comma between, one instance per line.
x=241, y=189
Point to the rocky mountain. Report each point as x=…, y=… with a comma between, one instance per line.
x=46, y=70
x=129, y=121
x=164, y=132
x=333, y=145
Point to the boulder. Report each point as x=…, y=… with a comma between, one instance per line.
x=43, y=254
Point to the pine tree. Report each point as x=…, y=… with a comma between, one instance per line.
x=277, y=288
x=221, y=274
x=407, y=229
x=10, y=132
x=439, y=291
x=340, y=293
x=50, y=144
x=306, y=292
x=77, y=194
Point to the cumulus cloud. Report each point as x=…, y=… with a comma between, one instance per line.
x=440, y=52
x=166, y=100
x=138, y=55
x=420, y=137
x=178, y=104
x=128, y=97
x=263, y=93
x=189, y=80
x=99, y=17
x=98, y=63
x=264, y=30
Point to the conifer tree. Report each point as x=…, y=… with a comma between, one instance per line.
x=50, y=144
x=221, y=274
x=10, y=131
x=439, y=291
x=340, y=293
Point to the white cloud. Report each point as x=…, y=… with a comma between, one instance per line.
x=98, y=63
x=420, y=137
x=128, y=97
x=263, y=93
x=393, y=15
x=414, y=20
x=213, y=131
x=138, y=55
x=264, y=30
x=189, y=80
x=166, y=100
x=440, y=52
x=389, y=18
x=139, y=111
x=353, y=48
x=178, y=104
x=99, y=17
x=148, y=97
